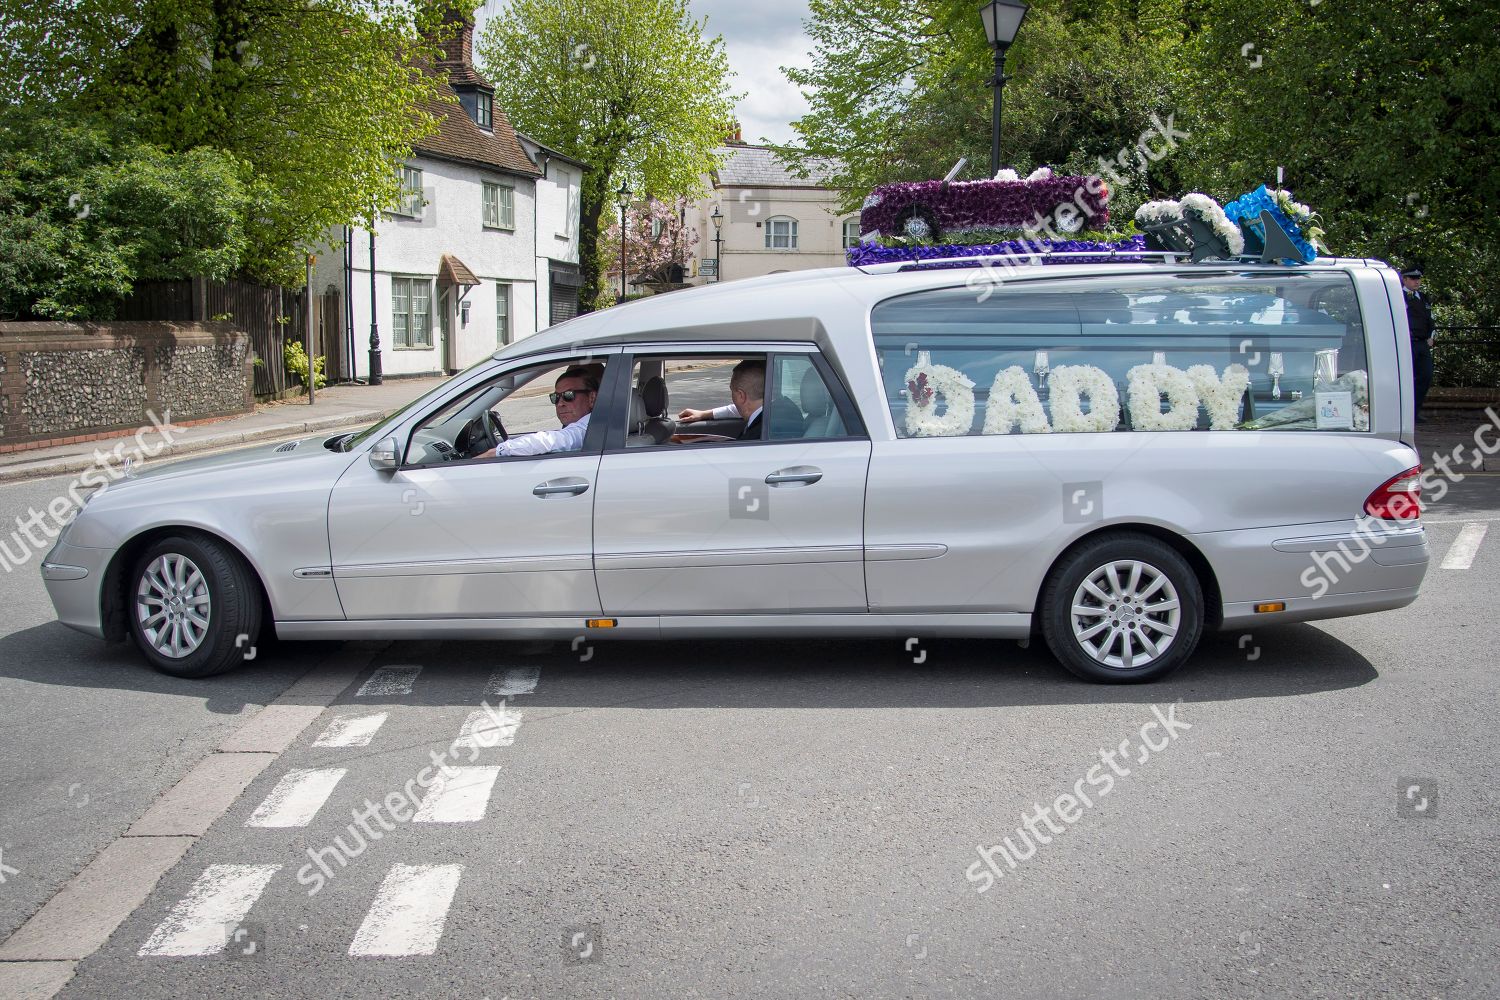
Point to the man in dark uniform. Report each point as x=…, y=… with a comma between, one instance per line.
x=1419, y=319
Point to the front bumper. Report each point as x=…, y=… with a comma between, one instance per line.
x=73, y=575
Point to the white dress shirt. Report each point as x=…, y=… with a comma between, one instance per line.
x=569, y=438
x=730, y=412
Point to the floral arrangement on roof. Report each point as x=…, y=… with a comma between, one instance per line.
x=935, y=211
x=1299, y=222
x=1170, y=225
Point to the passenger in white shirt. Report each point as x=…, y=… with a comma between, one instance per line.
x=747, y=389
x=573, y=396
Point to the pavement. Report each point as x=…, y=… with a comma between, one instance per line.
x=336, y=407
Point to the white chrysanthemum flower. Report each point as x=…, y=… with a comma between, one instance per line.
x=1068, y=384
x=1148, y=383
x=1013, y=400
x=954, y=389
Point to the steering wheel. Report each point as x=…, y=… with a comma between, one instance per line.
x=493, y=427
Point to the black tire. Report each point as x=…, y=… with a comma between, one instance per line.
x=924, y=213
x=186, y=574
x=1107, y=656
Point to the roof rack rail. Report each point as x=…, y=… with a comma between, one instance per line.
x=1025, y=258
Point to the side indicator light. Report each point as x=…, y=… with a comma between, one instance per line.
x=601, y=623
x=1269, y=606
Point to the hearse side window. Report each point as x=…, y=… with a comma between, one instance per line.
x=1212, y=352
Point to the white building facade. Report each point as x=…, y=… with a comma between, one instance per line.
x=483, y=251
x=770, y=219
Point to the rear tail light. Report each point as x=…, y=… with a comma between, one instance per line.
x=1398, y=498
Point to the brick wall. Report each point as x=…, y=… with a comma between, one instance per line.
x=62, y=382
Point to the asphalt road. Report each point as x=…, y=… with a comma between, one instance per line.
x=790, y=819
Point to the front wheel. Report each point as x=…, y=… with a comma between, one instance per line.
x=195, y=608
x=1122, y=608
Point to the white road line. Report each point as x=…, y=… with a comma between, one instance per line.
x=1465, y=547
x=489, y=727
x=409, y=912
x=389, y=681
x=297, y=798
x=351, y=730
x=509, y=683
x=460, y=796
x=219, y=900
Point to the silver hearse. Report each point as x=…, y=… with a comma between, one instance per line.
x=1110, y=456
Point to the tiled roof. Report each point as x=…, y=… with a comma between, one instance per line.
x=758, y=166
x=453, y=271
x=458, y=138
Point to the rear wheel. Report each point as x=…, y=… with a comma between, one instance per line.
x=195, y=608
x=1122, y=608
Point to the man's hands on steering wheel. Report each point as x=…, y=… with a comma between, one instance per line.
x=480, y=435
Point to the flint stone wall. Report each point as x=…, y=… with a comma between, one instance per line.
x=65, y=380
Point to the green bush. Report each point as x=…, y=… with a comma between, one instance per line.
x=296, y=364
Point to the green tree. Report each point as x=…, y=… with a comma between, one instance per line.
x=308, y=104
x=1386, y=118
x=630, y=87
x=85, y=213
x=900, y=89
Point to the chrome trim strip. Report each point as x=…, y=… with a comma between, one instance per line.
x=445, y=567
x=712, y=558
x=60, y=571
x=1383, y=539
x=313, y=572
x=900, y=553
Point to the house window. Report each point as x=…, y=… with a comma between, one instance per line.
x=499, y=206
x=565, y=180
x=484, y=110
x=411, y=312
x=781, y=234
x=502, y=313
x=851, y=233
x=411, y=193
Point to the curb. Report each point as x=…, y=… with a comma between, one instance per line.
x=62, y=465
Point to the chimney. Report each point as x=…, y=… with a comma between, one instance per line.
x=458, y=43
x=734, y=133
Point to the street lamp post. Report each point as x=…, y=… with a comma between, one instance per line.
x=622, y=198
x=718, y=220
x=1002, y=19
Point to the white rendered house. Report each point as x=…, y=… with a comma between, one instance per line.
x=483, y=251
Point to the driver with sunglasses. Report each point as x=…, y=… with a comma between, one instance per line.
x=573, y=396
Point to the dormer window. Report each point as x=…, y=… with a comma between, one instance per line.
x=484, y=110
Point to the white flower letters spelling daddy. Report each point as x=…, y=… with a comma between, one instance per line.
x=1014, y=401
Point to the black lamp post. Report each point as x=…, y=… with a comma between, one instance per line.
x=718, y=220
x=377, y=377
x=1002, y=19
x=622, y=198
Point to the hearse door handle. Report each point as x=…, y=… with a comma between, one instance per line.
x=571, y=486
x=797, y=475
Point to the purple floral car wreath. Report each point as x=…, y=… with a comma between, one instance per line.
x=933, y=210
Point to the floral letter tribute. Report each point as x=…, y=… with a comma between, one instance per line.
x=1221, y=397
x=925, y=382
x=1013, y=400
x=1069, y=384
x=1148, y=383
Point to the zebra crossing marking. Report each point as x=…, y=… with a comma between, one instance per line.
x=458, y=795
x=220, y=899
x=352, y=730
x=297, y=798
x=388, y=681
x=511, y=682
x=409, y=912
x=1465, y=547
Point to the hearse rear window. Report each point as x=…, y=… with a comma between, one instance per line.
x=1279, y=352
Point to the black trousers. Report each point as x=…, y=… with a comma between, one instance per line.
x=1421, y=357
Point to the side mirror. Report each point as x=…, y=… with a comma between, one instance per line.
x=385, y=456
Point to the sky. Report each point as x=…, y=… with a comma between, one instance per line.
x=760, y=37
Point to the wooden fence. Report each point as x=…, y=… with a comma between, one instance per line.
x=270, y=315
